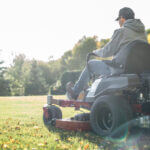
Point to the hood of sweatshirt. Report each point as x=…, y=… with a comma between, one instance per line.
x=134, y=24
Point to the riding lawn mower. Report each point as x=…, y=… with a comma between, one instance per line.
x=112, y=100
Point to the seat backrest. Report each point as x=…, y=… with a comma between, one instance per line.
x=135, y=57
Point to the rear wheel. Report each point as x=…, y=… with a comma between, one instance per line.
x=108, y=113
x=54, y=113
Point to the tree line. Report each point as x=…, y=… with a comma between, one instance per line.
x=34, y=77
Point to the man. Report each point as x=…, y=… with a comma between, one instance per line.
x=130, y=29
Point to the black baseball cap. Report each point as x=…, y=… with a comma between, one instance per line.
x=126, y=13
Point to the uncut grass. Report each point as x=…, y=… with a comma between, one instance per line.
x=21, y=127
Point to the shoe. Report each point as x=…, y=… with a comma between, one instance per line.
x=69, y=91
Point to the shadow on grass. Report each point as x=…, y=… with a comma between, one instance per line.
x=136, y=138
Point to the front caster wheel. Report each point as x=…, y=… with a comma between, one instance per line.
x=51, y=113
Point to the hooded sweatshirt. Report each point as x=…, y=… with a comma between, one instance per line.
x=132, y=29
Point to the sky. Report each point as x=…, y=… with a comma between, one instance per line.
x=43, y=28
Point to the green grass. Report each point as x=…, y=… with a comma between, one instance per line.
x=21, y=127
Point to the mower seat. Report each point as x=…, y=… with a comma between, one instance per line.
x=133, y=59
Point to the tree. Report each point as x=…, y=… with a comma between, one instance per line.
x=148, y=31
x=45, y=71
x=4, y=84
x=15, y=75
x=56, y=69
x=65, y=59
x=80, y=50
x=35, y=83
x=103, y=42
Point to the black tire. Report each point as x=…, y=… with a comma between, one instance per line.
x=54, y=113
x=108, y=114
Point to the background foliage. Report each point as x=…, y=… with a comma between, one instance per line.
x=34, y=77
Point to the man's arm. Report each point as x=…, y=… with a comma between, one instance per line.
x=112, y=47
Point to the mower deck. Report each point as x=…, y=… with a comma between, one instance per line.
x=73, y=125
x=66, y=124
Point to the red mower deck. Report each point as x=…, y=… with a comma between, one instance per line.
x=67, y=124
x=73, y=125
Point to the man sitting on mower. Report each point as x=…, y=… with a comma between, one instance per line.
x=130, y=29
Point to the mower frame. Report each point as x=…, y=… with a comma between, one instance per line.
x=67, y=124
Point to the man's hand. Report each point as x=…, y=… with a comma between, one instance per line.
x=89, y=55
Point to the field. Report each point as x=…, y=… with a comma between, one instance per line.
x=21, y=128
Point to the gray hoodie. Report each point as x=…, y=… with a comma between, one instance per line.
x=133, y=29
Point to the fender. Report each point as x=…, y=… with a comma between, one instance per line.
x=113, y=84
